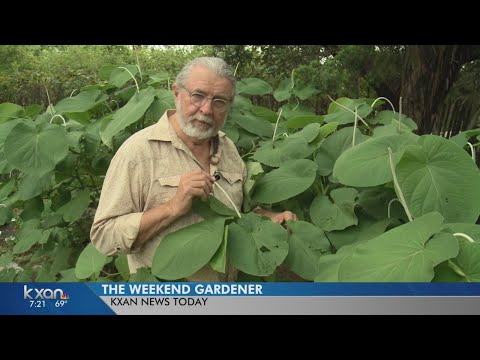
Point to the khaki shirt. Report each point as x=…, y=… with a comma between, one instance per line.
x=145, y=173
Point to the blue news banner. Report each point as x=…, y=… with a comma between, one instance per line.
x=184, y=298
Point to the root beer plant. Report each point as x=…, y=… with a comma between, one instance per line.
x=376, y=201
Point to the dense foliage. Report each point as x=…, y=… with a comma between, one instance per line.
x=376, y=201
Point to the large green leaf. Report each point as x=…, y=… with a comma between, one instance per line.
x=120, y=76
x=253, y=86
x=329, y=265
x=218, y=262
x=33, y=110
x=253, y=170
x=142, y=275
x=467, y=263
x=10, y=111
x=68, y=276
x=395, y=128
x=212, y=208
x=337, y=214
x=289, y=180
x=156, y=78
x=121, y=263
x=437, y=175
x=306, y=91
x=284, y=90
x=463, y=137
x=254, y=124
x=241, y=102
x=231, y=131
x=26, y=240
x=36, y=149
x=265, y=113
x=292, y=110
x=30, y=185
x=333, y=146
x=5, y=260
x=5, y=129
x=472, y=230
x=81, y=102
x=324, y=131
x=127, y=115
x=73, y=210
x=405, y=253
x=337, y=113
x=89, y=262
x=61, y=258
x=306, y=244
x=156, y=110
x=366, y=229
x=301, y=121
x=7, y=187
x=184, y=252
x=368, y=163
x=387, y=117
x=444, y=272
x=375, y=201
x=32, y=209
x=310, y=132
x=281, y=150
x=256, y=245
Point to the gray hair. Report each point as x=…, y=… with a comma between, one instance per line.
x=215, y=64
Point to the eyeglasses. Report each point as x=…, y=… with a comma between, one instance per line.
x=199, y=99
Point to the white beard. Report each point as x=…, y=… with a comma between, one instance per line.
x=193, y=131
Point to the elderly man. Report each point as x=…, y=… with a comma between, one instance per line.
x=155, y=174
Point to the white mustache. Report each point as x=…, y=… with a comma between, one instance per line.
x=204, y=118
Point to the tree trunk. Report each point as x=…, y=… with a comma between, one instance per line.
x=429, y=71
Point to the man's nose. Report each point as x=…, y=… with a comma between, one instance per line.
x=207, y=107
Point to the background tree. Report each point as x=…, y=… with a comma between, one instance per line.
x=429, y=72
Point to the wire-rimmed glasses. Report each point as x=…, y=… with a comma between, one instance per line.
x=199, y=99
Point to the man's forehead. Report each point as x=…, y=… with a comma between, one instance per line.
x=200, y=75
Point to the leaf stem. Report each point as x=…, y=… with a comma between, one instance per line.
x=276, y=124
x=456, y=268
x=298, y=104
x=399, y=113
x=464, y=236
x=236, y=68
x=229, y=199
x=355, y=127
x=133, y=77
x=49, y=102
x=390, y=203
x=397, y=186
x=472, y=150
x=384, y=98
x=346, y=108
x=61, y=117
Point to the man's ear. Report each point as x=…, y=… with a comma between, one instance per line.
x=176, y=90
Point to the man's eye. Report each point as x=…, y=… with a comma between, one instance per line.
x=198, y=97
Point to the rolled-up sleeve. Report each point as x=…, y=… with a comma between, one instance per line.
x=120, y=209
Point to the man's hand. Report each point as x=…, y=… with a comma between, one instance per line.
x=276, y=217
x=193, y=184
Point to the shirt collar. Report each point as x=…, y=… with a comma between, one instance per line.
x=164, y=131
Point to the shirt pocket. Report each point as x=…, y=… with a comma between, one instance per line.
x=232, y=183
x=163, y=189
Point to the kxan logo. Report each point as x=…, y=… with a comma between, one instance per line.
x=43, y=294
